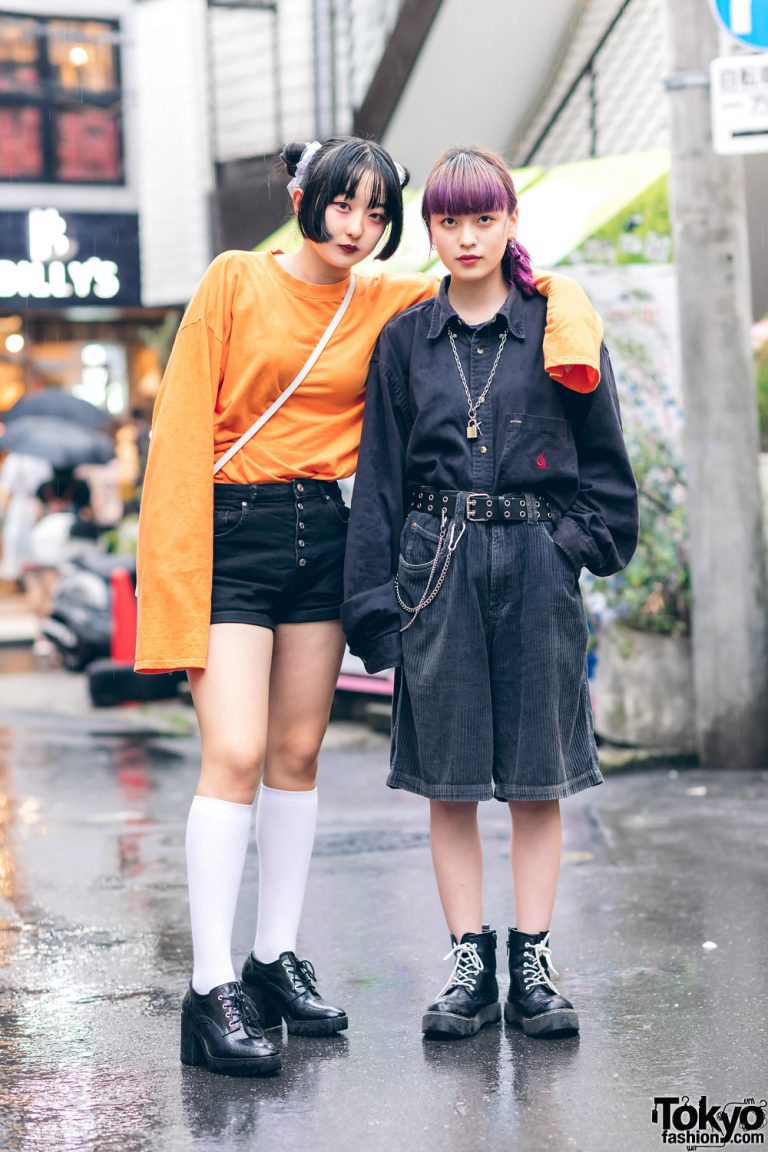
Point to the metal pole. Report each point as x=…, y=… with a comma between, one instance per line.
x=727, y=552
x=277, y=77
x=214, y=222
x=592, y=73
x=323, y=70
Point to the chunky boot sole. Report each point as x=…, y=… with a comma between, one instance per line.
x=195, y=1054
x=449, y=1025
x=560, y=1022
x=316, y=1027
x=271, y=1018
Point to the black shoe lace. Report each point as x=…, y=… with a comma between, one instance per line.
x=233, y=1007
x=301, y=972
x=239, y=1010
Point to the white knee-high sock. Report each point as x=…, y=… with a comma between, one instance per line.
x=285, y=836
x=217, y=840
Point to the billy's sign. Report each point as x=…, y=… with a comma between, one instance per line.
x=50, y=259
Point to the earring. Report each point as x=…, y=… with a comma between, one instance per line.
x=513, y=246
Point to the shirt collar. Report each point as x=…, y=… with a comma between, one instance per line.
x=511, y=314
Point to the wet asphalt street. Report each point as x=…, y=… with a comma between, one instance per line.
x=95, y=954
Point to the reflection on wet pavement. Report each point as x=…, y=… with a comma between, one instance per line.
x=95, y=952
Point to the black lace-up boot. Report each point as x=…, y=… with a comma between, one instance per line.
x=221, y=1031
x=285, y=990
x=533, y=1002
x=470, y=999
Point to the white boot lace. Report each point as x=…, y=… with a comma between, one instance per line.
x=467, y=967
x=538, y=964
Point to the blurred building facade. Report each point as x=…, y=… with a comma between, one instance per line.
x=551, y=83
x=140, y=137
x=246, y=77
x=71, y=307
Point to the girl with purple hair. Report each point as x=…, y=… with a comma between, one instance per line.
x=483, y=487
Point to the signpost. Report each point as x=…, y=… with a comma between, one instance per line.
x=745, y=20
x=727, y=552
x=739, y=95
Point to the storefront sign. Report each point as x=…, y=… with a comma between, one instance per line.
x=50, y=259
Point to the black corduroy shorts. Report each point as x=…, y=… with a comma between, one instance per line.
x=278, y=553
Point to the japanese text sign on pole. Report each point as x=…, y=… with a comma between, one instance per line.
x=739, y=94
x=746, y=20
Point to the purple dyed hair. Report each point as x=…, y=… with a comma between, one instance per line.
x=468, y=181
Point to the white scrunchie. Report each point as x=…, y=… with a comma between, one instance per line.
x=309, y=151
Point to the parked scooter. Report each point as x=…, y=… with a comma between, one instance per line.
x=80, y=622
x=81, y=626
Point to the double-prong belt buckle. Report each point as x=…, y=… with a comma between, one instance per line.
x=485, y=511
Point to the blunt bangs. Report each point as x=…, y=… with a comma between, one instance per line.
x=337, y=170
x=463, y=183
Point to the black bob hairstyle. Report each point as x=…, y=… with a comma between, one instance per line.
x=336, y=169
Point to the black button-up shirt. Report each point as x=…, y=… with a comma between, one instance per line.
x=535, y=436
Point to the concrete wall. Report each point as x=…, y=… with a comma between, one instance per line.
x=756, y=181
x=176, y=173
x=263, y=75
x=631, y=112
x=478, y=76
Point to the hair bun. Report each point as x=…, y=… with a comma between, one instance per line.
x=290, y=156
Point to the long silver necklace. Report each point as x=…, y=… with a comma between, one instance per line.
x=473, y=424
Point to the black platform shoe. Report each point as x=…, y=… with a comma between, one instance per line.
x=285, y=990
x=470, y=999
x=533, y=1002
x=221, y=1031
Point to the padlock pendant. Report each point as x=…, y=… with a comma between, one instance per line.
x=472, y=430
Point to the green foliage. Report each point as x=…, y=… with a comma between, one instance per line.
x=653, y=593
x=122, y=539
x=639, y=234
x=761, y=382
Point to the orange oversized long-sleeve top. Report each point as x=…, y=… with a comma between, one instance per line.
x=247, y=332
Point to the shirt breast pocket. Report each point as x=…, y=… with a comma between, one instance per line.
x=539, y=452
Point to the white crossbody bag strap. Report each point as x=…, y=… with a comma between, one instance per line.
x=288, y=392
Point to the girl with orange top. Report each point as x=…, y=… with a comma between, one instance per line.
x=240, y=580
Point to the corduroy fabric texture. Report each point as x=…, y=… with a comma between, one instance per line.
x=492, y=697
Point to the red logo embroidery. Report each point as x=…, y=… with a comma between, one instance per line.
x=541, y=460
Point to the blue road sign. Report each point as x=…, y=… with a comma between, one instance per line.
x=746, y=20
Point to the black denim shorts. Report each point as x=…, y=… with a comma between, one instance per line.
x=278, y=553
x=492, y=698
